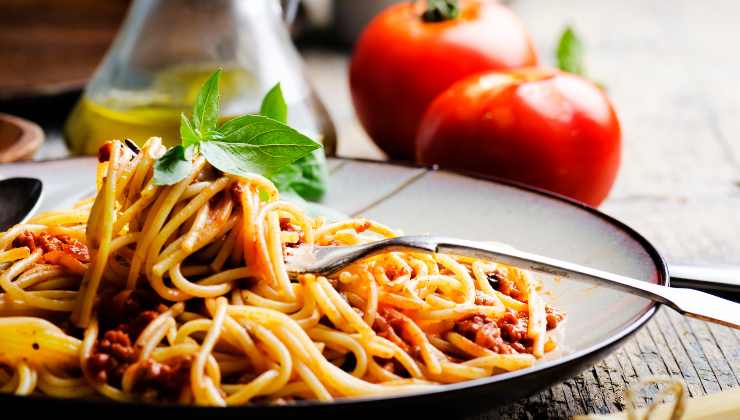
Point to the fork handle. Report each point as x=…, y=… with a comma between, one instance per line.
x=686, y=301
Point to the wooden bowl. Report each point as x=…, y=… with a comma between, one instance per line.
x=19, y=138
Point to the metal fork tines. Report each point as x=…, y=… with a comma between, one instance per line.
x=327, y=260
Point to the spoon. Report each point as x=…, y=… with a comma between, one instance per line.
x=20, y=197
x=329, y=259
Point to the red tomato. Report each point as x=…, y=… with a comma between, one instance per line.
x=542, y=127
x=401, y=63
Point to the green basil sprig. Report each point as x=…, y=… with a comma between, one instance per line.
x=173, y=166
x=274, y=106
x=262, y=144
x=307, y=176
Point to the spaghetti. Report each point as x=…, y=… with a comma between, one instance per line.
x=180, y=294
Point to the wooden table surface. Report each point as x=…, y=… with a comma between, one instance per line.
x=671, y=68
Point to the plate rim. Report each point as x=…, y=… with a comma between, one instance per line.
x=643, y=316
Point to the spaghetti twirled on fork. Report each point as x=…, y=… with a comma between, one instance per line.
x=180, y=293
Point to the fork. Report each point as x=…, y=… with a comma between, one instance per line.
x=325, y=260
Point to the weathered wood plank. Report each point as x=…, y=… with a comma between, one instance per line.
x=564, y=395
x=610, y=390
x=729, y=345
x=689, y=342
x=635, y=357
x=591, y=392
x=720, y=366
x=616, y=397
x=558, y=405
x=680, y=357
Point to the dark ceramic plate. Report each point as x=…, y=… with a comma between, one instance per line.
x=418, y=200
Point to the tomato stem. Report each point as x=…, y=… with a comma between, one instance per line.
x=440, y=10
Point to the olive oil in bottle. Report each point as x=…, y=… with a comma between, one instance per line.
x=141, y=114
x=92, y=124
x=138, y=114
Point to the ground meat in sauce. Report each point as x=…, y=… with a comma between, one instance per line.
x=394, y=272
x=483, y=332
x=125, y=307
x=236, y=192
x=505, y=336
x=514, y=327
x=112, y=355
x=49, y=242
x=167, y=378
x=391, y=326
x=286, y=226
x=388, y=326
x=26, y=239
x=508, y=288
x=554, y=317
x=104, y=152
x=362, y=225
x=123, y=317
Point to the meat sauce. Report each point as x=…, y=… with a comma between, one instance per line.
x=48, y=243
x=553, y=317
x=505, y=286
x=127, y=314
x=507, y=334
x=166, y=379
x=389, y=325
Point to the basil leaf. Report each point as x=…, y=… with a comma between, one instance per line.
x=263, y=131
x=274, y=106
x=570, y=53
x=307, y=177
x=172, y=167
x=284, y=177
x=239, y=129
x=187, y=134
x=207, y=106
x=314, y=176
x=268, y=152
